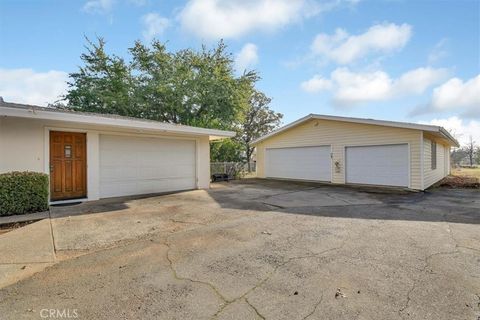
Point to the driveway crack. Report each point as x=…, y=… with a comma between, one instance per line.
x=273, y=205
x=337, y=198
x=314, y=308
x=187, y=222
x=283, y=193
x=178, y=277
x=52, y=235
x=450, y=232
x=255, y=309
x=261, y=282
x=415, y=281
x=407, y=303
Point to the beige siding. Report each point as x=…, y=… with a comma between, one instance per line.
x=340, y=134
x=443, y=162
x=22, y=145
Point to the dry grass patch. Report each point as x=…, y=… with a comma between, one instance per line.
x=467, y=172
x=462, y=178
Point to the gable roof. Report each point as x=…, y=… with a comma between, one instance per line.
x=394, y=124
x=9, y=109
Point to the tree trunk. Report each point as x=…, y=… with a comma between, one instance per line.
x=249, y=154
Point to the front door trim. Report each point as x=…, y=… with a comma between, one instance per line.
x=47, y=159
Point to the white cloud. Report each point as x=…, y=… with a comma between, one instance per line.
x=461, y=129
x=214, y=19
x=457, y=95
x=350, y=88
x=247, y=57
x=138, y=3
x=154, y=25
x=98, y=6
x=106, y=6
x=418, y=80
x=438, y=52
x=316, y=84
x=344, y=48
x=30, y=87
x=353, y=88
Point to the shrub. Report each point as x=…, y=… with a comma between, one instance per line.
x=23, y=192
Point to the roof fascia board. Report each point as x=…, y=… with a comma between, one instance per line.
x=449, y=137
x=114, y=122
x=412, y=126
x=404, y=125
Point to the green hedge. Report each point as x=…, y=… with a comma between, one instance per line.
x=23, y=192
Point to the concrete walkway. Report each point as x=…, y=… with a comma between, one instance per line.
x=75, y=230
x=25, y=251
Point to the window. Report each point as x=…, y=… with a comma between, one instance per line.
x=433, y=149
x=68, y=151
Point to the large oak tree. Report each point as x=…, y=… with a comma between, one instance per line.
x=190, y=87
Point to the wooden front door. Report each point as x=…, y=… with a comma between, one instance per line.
x=68, y=165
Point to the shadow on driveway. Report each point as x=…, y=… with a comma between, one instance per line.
x=438, y=205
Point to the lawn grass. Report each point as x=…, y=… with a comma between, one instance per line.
x=466, y=172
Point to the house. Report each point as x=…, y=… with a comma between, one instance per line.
x=91, y=156
x=343, y=150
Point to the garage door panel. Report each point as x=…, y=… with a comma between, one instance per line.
x=135, y=165
x=378, y=165
x=116, y=158
x=302, y=163
x=160, y=173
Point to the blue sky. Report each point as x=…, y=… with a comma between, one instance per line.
x=416, y=61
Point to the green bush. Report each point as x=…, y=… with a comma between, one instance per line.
x=23, y=192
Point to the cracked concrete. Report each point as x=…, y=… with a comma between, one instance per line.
x=261, y=249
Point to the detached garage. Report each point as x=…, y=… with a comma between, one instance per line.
x=356, y=151
x=92, y=156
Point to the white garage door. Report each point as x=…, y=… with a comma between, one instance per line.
x=135, y=165
x=303, y=163
x=380, y=165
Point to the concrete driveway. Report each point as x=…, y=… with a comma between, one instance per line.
x=261, y=250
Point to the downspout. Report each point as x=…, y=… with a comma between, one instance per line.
x=422, y=162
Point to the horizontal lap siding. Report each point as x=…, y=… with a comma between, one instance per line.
x=432, y=176
x=341, y=134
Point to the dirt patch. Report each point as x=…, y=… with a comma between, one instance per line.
x=7, y=227
x=459, y=182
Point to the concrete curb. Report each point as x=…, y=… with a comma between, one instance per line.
x=24, y=217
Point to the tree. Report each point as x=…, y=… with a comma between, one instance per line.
x=188, y=87
x=470, y=151
x=104, y=84
x=458, y=155
x=228, y=150
x=259, y=120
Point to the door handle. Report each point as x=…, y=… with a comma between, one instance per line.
x=51, y=168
